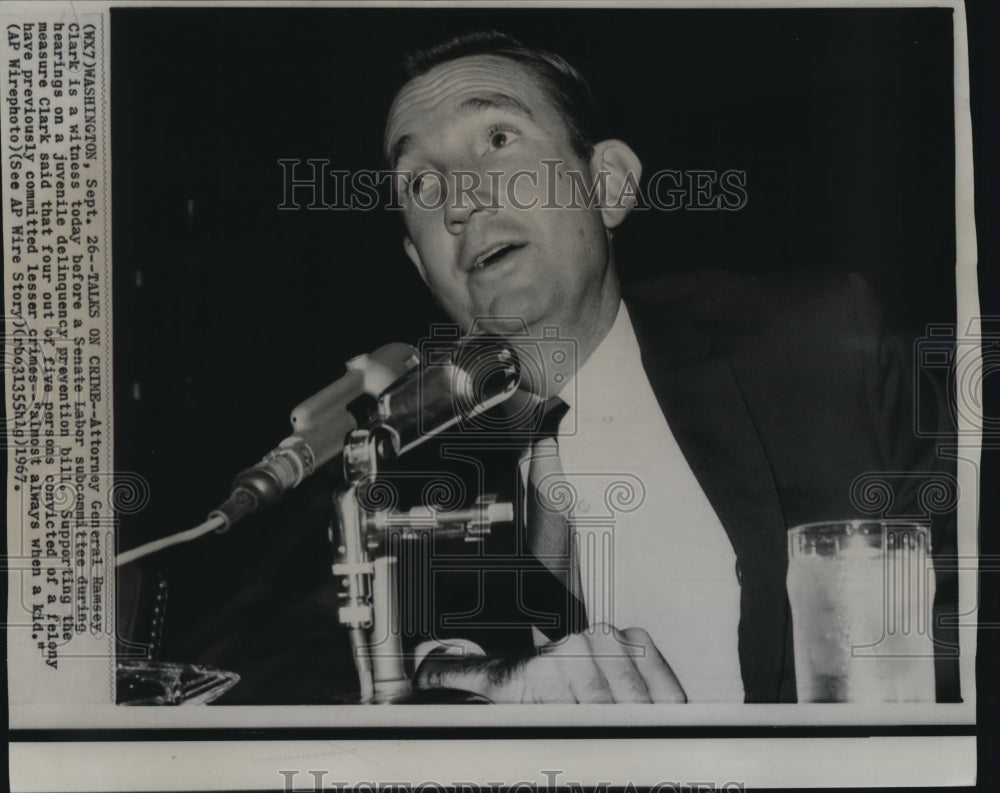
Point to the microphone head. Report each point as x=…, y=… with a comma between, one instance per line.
x=455, y=381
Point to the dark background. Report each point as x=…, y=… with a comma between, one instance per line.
x=228, y=311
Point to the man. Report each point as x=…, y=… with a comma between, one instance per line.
x=703, y=391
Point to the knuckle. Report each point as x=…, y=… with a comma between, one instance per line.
x=634, y=642
x=637, y=636
x=574, y=644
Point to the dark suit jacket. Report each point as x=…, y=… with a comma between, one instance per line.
x=790, y=402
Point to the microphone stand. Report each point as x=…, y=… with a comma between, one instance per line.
x=369, y=600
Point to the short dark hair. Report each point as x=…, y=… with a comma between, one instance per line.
x=562, y=84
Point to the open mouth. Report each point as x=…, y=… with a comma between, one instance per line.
x=495, y=255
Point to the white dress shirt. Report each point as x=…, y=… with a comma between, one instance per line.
x=653, y=553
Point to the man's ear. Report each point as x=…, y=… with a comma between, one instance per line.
x=411, y=251
x=621, y=185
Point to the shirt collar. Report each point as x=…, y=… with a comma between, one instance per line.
x=616, y=355
x=615, y=360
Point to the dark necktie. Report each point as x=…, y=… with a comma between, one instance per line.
x=550, y=531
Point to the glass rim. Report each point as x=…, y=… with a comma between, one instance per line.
x=860, y=525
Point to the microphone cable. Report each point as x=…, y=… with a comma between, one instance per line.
x=212, y=524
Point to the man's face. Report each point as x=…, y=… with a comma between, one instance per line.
x=481, y=252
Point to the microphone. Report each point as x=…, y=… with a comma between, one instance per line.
x=320, y=424
x=455, y=381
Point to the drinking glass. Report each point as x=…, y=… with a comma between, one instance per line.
x=861, y=593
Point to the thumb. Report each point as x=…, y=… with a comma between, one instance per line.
x=479, y=674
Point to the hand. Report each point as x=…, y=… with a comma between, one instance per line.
x=601, y=664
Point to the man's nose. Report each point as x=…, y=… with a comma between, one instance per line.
x=469, y=192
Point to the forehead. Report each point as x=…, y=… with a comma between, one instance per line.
x=450, y=89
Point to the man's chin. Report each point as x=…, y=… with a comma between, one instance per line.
x=511, y=317
x=510, y=325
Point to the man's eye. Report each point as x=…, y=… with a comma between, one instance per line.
x=413, y=185
x=502, y=135
x=424, y=185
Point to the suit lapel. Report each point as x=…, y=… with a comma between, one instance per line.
x=700, y=396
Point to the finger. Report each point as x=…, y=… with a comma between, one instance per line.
x=613, y=656
x=489, y=677
x=576, y=669
x=587, y=681
x=660, y=679
x=544, y=680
